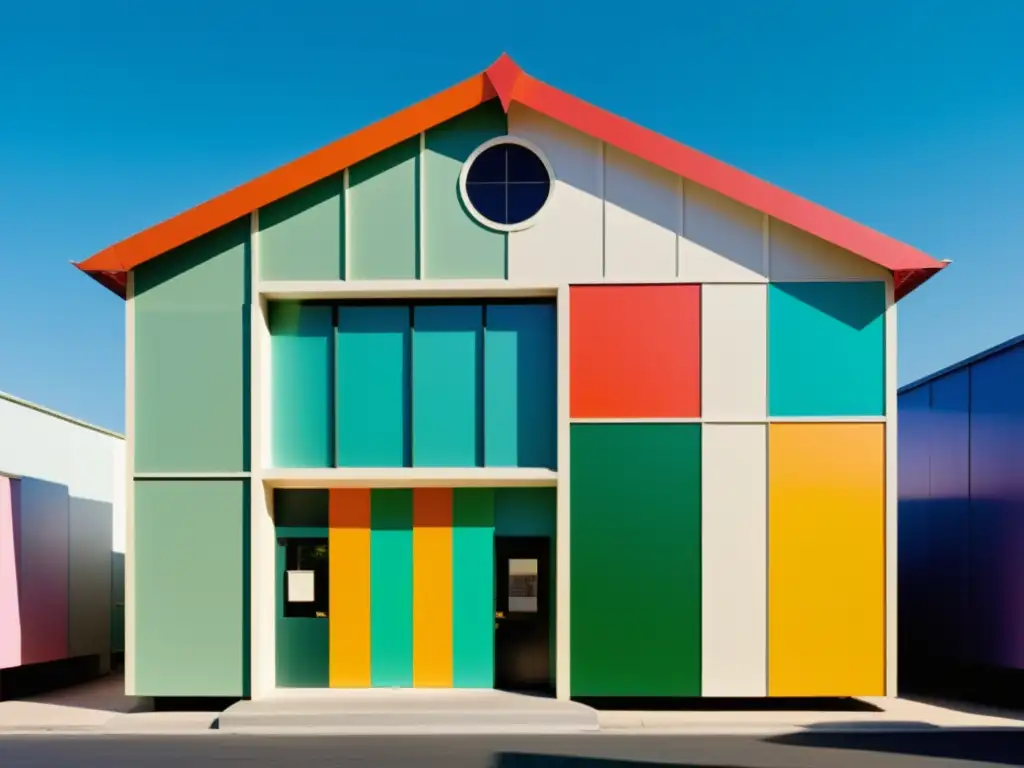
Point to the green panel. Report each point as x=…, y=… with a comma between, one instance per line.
x=301, y=507
x=447, y=351
x=455, y=245
x=383, y=210
x=635, y=501
x=191, y=587
x=473, y=587
x=372, y=384
x=302, y=236
x=826, y=349
x=192, y=356
x=302, y=363
x=303, y=645
x=391, y=588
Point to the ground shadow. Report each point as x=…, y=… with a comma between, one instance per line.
x=536, y=760
x=711, y=703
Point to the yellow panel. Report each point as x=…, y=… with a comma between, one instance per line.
x=432, y=665
x=826, y=560
x=349, y=552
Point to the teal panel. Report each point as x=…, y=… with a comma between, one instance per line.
x=520, y=386
x=525, y=512
x=301, y=507
x=826, y=349
x=302, y=236
x=192, y=356
x=191, y=544
x=446, y=398
x=302, y=645
x=372, y=380
x=391, y=588
x=455, y=245
x=301, y=358
x=473, y=587
x=383, y=210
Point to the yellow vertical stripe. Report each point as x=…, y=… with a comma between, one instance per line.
x=349, y=552
x=432, y=588
x=826, y=560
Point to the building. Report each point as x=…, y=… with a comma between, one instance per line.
x=61, y=547
x=485, y=395
x=961, y=535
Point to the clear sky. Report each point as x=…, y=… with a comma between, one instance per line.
x=906, y=115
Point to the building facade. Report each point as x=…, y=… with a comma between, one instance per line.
x=961, y=450
x=61, y=543
x=506, y=391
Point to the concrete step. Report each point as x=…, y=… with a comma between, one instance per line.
x=407, y=711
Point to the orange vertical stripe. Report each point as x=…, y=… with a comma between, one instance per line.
x=432, y=588
x=349, y=552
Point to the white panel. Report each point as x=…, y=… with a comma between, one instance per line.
x=722, y=242
x=734, y=352
x=566, y=242
x=301, y=586
x=734, y=561
x=795, y=255
x=643, y=219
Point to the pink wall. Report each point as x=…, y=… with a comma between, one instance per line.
x=10, y=615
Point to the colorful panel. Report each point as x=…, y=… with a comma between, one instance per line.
x=350, y=545
x=636, y=559
x=383, y=203
x=826, y=559
x=473, y=587
x=302, y=236
x=301, y=507
x=204, y=524
x=191, y=356
x=635, y=351
x=301, y=361
x=432, y=587
x=373, y=387
x=447, y=353
x=10, y=606
x=454, y=244
x=391, y=580
x=826, y=349
x=302, y=645
x=520, y=384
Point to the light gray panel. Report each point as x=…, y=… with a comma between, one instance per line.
x=89, y=564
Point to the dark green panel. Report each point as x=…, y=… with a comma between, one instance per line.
x=301, y=507
x=635, y=501
x=303, y=645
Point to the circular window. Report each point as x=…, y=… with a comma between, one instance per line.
x=505, y=183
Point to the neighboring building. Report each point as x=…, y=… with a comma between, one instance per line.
x=961, y=476
x=61, y=544
x=507, y=391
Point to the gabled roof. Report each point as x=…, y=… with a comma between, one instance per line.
x=505, y=81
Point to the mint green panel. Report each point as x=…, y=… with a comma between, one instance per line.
x=302, y=236
x=303, y=646
x=455, y=245
x=302, y=362
x=192, y=356
x=372, y=382
x=826, y=349
x=191, y=545
x=473, y=587
x=391, y=588
x=383, y=210
x=447, y=346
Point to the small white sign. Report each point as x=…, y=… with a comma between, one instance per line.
x=301, y=587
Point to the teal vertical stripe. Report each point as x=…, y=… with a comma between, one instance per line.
x=372, y=380
x=520, y=386
x=473, y=587
x=826, y=349
x=301, y=389
x=391, y=588
x=446, y=403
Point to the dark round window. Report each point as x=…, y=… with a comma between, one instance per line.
x=506, y=184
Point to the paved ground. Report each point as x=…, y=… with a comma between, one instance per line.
x=805, y=750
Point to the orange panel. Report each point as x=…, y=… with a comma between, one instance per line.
x=634, y=351
x=432, y=665
x=349, y=552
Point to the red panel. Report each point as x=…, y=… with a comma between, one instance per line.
x=634, y=351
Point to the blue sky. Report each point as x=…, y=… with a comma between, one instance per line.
x=906, y=115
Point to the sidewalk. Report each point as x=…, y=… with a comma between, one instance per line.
x=100, y=707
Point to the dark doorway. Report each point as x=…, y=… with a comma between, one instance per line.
x=522, y=622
